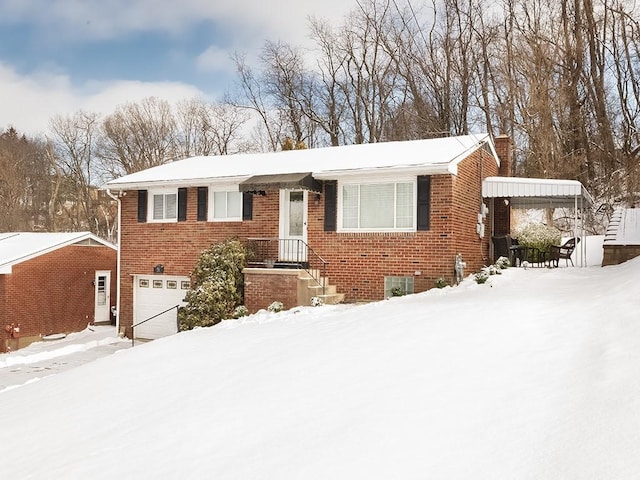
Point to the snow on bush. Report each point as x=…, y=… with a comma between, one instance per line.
x=276, y=307
x=538, y=235
x=482, y=276
x=502, y=263
x=316, y=302
x=240, y=311
x=217, y=286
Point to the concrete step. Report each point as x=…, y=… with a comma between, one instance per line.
x=317, y=290
x=332, y=299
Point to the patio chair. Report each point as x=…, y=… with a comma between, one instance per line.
x=505, y=246
x=564, y=251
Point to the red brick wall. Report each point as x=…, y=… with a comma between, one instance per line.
x=177, y=245
x=263, y=288
x=53, y=293
x=358, y=262
x=502, y=211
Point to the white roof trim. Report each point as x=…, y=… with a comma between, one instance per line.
x=18, y=247
x=432, y=156
x=536, y=192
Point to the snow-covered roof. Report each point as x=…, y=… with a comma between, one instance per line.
x=624, y=227
x=432, y=156
x=17, y=247
x=536, y=192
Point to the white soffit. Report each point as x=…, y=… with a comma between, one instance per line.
x=536, y=192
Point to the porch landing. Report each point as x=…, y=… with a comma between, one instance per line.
x=291, y=286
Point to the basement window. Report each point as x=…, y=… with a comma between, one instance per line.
x=397, y=286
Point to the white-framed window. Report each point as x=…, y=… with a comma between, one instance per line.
x=163, y=205
x=225, y=205
x=377, y=206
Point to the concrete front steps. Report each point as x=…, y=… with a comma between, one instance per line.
x=311, y=284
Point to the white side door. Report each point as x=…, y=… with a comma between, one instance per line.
x=102, y=305
x=293, y=225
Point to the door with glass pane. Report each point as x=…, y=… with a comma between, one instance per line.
x=293, y=226
x=102, y=309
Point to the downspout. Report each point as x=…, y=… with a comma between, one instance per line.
x=118, y=261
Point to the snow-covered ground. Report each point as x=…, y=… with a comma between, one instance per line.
x=45, y=358
x=535, y=375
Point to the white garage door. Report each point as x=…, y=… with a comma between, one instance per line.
x=152, y=295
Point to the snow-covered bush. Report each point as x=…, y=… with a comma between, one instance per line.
x=493, y=270
x=275, y=307
x=502, y=263
x=441, y=282
x=216, y=285
x=316, y=302
x=538, y=235
x=482, y=276
x=397, y=292
x=240, y=311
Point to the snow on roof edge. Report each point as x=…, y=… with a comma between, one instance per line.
x=412, y=154
x=58, y=240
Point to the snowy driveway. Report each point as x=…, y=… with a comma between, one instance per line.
x=45, y=358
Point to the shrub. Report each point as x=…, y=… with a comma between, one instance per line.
x=482, y=276
x=240, y=311
x=493, y=270
x=275, y=307
x=537, y=235
x=397, y=292
x=217, y=286
x=503, y=262
x=441, y=283
x=316, y=302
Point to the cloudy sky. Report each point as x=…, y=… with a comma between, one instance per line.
x=59, y=56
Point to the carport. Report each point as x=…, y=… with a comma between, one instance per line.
x=540, y=193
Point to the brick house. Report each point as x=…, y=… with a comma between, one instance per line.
x=364, y=222
x=52, y=283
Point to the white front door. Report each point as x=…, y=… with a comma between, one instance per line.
x=293, y=225
x=102, y=310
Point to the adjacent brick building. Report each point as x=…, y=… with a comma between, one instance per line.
x=53, y=283
x=371, y=220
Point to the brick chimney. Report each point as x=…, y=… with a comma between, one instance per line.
x=503, y=149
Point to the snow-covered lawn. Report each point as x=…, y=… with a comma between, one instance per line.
x=535, y=375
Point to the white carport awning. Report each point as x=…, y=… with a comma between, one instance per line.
x=532, y=193
x=537, y=192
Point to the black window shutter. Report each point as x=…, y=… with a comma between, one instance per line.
x=330, y=205
x=424, y=202
x=182, y=204
x=247, y=206
x=142, y=206
x=203, y=198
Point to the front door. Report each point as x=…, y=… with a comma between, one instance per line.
x=293, y=226
x=102, y=309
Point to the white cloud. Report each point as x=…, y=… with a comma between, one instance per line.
x=215, y=59
x=91, y=19
x=29, y=102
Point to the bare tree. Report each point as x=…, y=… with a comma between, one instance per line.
x=78, y=203
x=209, y=129
x=138, y=136
x=24, y=182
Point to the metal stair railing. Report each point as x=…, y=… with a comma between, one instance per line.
x=293, y=253
x=133, y=336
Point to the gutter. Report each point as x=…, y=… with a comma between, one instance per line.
x=117, y=312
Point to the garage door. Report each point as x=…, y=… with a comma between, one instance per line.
x=153, y=294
